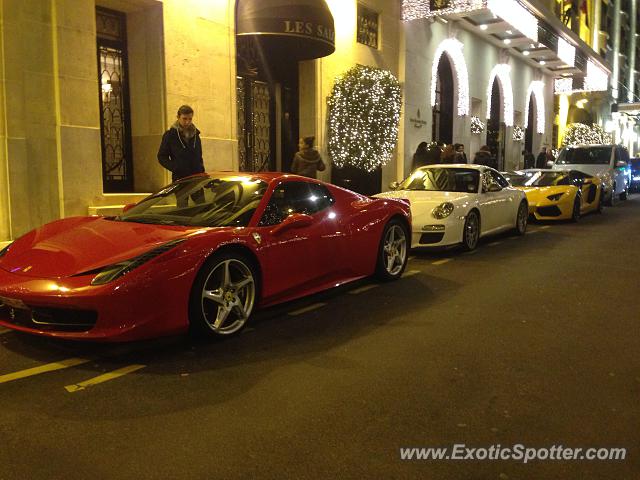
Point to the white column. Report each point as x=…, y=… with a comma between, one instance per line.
x=632, y=52
x=615, y=75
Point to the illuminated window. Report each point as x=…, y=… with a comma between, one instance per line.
x=368, y=21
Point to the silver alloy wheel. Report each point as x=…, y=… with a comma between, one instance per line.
x=228, y=296
x=395, y=250
x=523, y=216
x=471, y=231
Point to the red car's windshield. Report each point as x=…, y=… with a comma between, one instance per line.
x=201, y=201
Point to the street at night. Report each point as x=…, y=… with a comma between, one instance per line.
x=527, y=340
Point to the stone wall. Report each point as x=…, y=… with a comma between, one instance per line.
x=180, y=51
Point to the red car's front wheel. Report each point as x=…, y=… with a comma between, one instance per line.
x=223, y=294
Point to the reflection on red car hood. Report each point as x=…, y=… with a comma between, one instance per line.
x=75, y=245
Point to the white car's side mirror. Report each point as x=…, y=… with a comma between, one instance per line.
x=394, y=185
x=550, y=163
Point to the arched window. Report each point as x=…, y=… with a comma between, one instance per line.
x=495, y=125
x=442, y=111
x=530, y=120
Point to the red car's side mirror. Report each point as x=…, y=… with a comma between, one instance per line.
x=295, y=220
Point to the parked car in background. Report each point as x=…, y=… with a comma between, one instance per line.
x=200, y=253
x=634, y=163
x=608, y=162
x=459, y=203
x=559, y=194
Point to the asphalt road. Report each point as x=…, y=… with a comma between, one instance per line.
x=530, y=340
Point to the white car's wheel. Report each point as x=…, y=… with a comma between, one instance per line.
x=471, y=231
x=522, y=218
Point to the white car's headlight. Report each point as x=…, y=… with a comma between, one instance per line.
x=443, y=210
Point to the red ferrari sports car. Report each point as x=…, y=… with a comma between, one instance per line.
x=199, y=254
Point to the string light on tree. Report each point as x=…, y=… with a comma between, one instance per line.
x=582, y=134
x=477, y=125
x=518, y=133
x=453, y=49
x=414, y=9
x=364, y=115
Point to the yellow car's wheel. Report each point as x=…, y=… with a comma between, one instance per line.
x=575, y=213
x=601, y=202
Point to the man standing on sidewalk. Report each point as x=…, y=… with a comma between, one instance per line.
x=181, y=153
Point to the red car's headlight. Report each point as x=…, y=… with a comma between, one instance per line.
x=117, y=270
x=4, y=251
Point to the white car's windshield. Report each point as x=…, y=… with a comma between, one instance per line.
x=584, y=156
x=436, y=179
x=201, y=201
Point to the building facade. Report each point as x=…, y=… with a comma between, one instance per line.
x=88, y=87
x=503, y=59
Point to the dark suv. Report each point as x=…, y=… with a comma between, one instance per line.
x=634, y=163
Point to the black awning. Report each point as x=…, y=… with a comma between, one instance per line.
x=298, y=29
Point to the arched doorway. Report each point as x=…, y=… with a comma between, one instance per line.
x=495, y=126
x=531, y=121
x=442, y=111
x=499, y=112
x=269, y=45
x=534, y=114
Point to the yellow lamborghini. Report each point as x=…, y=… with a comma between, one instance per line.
x=559, y=194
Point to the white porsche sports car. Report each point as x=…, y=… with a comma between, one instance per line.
x=459, y=203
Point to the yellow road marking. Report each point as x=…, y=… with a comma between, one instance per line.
x=545, y=227
x=532, y=231
x=5, y=330
x=411, y=273
x=366, y=288
x=49, y=367
x=493, y=244
x=310, y=308
x=441, y=262
x=103, y=378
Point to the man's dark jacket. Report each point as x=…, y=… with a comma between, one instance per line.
x=181, y=156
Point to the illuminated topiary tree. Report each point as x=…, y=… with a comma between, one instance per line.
x=364, y=114
x=580, y=133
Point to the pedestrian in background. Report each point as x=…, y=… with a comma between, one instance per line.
x=181, y=149
x=448, y=154
x=541, y=159
x=529, y=159
x=180, y=152
x=421, y=156
x=461, y=157
x=307, y=161
x=484, y=157
x=550, y=158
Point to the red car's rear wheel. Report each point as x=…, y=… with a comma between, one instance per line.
x=393, y=251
